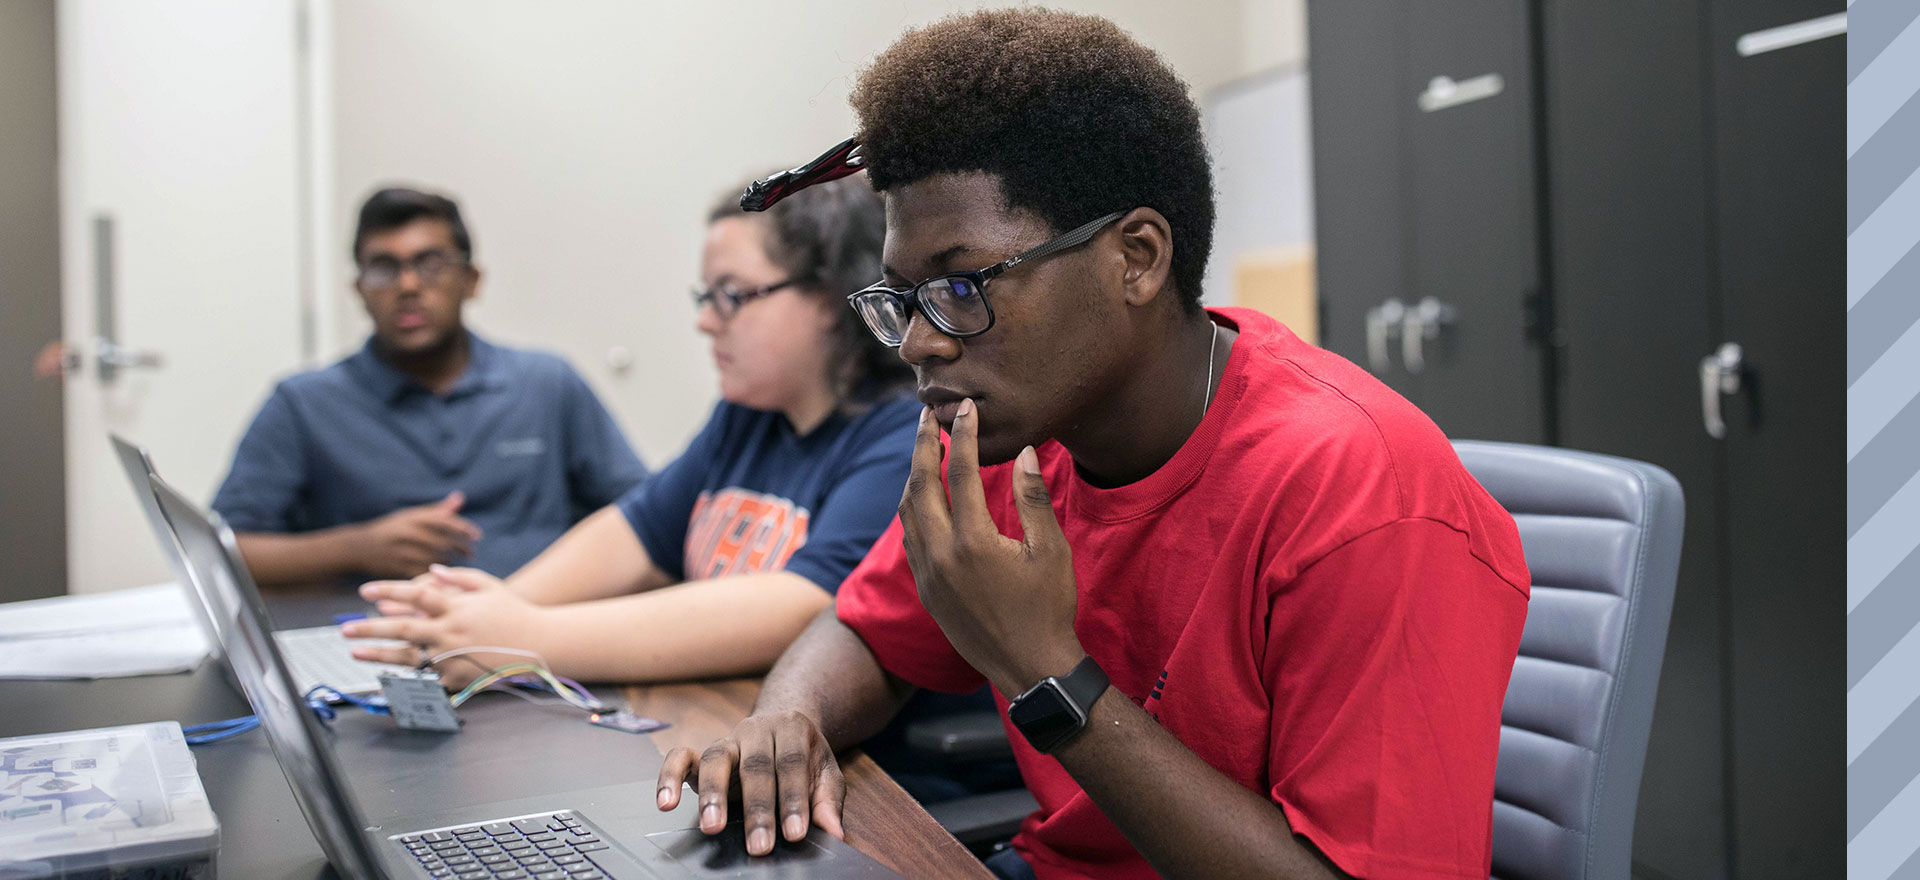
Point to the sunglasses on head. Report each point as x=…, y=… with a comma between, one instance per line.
x=842, y=160
x=956, y=302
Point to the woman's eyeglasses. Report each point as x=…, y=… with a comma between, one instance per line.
x=956, y=303
x=728, y=299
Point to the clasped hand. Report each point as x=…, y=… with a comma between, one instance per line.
x=444, y=610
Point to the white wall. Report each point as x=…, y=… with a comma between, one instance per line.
x=585, y=141
x=1262, y=171
x=1257, y=129
x=1275, y=35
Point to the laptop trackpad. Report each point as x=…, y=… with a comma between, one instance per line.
x=725, y=854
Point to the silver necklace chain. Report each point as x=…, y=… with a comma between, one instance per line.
x=1213, y=339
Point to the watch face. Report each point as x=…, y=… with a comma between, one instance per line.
x=1044, y=716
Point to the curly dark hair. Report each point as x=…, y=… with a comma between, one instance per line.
x=1074, y=116
x=829, y=236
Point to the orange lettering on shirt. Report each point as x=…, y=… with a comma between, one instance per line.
x=735, y=531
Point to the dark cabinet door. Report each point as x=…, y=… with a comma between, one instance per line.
x=1779, y=123
x=1473, y=233
x=1631, y=256
x=1423, y=173
x=1358, y=98
x=1695, y=198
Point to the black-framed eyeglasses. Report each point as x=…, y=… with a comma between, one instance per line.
x=728, y=299
x=956, y=303
x=430, y=266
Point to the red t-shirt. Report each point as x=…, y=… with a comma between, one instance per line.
x=1312, y=594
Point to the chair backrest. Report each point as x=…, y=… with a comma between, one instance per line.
x=1602, y=539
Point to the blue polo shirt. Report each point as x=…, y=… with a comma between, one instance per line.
x=520, y=434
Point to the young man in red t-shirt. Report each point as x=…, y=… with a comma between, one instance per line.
x=1244, y=610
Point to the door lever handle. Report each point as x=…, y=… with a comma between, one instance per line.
x=110, y=356
x=1421, y=325
x=1443, y=92
x=1719, y=376
x=1383, y=321
x=1788, y=35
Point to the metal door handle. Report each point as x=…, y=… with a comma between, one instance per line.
x=1422, y=323
x=1383, y=321
x=1719, y=376
x=1786, y=35
x=109, y=357
x=1443, y=91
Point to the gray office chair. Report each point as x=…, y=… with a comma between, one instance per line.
x=1602, y=539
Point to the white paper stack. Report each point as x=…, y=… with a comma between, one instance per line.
x=142, y=631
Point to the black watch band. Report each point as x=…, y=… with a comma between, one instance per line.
x=1055, y=710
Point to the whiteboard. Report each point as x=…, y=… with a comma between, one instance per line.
x=1257, y=131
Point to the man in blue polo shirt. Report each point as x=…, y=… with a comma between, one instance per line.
x=429, y=444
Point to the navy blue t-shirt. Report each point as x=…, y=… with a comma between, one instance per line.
x=750, y=496
x=520, y=434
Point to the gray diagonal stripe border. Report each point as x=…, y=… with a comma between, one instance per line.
x=1885, y=464
x=1887, y=311
x=1879, y=775
x=1889, y=154
x=1883, y=425
x=1871, y=27
x=1885, y=617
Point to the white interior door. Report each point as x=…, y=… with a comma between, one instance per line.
x=180, y=205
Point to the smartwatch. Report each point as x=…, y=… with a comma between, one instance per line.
x=1055, y=710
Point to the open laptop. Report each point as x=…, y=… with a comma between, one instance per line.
x=318, y=655
x=139, y=465
x=548, y=836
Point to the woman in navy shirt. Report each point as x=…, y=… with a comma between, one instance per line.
x=751, y=530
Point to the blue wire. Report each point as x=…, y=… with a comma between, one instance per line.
x=377, y=706
x=216, y=731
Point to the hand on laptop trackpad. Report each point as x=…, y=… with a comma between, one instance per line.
x=725, y=854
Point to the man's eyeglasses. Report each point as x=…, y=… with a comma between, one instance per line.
x=430, y=266
x=956, y=303
x=728, y=299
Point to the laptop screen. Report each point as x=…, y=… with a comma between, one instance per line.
x=299, y=740
x=139, y=465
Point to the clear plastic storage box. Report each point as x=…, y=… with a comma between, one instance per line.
x=117, y=803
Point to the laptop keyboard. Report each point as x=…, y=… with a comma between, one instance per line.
x=549, y=846
x=321, y=655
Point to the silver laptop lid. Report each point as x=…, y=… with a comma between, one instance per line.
x=139, y=466
x=300, y=742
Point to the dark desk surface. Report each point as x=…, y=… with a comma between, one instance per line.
x=264, y=835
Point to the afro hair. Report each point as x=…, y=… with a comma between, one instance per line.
x=1075, y=118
